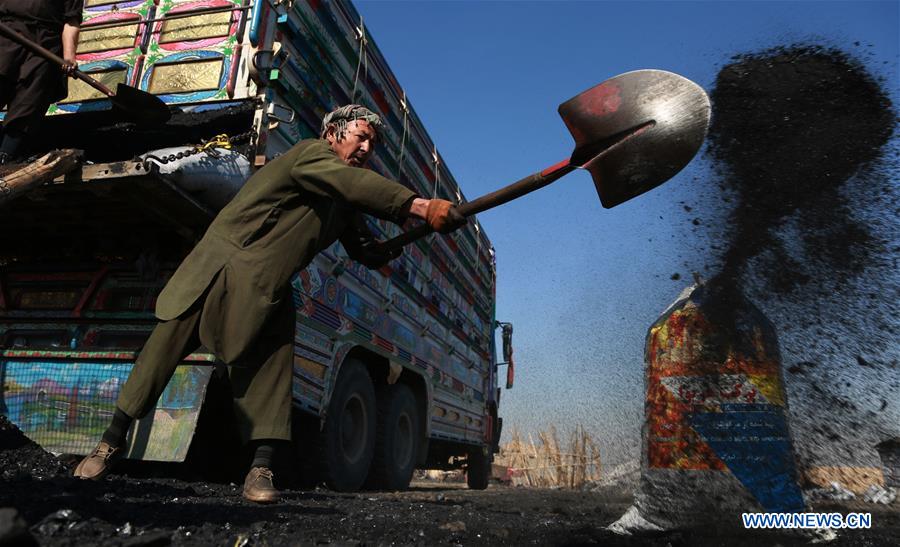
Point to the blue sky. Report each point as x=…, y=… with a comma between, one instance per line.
x=581, y=283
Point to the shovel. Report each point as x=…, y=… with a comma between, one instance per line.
x=632, y=133
x=137, y=105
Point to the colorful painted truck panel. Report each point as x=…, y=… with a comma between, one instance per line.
x=715, y=423
x=77, y=292
x=64, y=406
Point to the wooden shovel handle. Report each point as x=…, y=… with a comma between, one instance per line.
x=52, y=57
x=489, y=201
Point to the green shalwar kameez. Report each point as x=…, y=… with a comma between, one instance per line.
x=232, y=292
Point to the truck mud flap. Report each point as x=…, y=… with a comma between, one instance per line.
x=65, y=406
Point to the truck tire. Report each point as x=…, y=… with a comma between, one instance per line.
x=397, y=439
x=478, y=469
x=349, y=435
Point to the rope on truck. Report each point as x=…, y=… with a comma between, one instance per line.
x=436, y=163
x=363, y=59
x=405, y=107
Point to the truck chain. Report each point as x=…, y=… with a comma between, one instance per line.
x=209, y=146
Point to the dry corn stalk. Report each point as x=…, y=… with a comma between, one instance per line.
x=546, y=464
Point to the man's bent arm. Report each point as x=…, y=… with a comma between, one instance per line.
x=319, y=171
x=70, y=41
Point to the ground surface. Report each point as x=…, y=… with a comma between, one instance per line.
x=165, y=505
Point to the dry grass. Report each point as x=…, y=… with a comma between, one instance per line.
x=546, y=464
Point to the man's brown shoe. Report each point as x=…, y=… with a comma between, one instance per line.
x=97, y=464
x=258, y=486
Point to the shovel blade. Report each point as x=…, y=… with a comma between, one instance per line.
x=635, y=131
x=140, y=106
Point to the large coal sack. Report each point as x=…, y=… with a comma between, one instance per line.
x=716, y=440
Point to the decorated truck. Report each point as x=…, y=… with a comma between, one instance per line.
x=394, y=369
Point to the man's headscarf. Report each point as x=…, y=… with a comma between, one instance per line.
x=340, y=117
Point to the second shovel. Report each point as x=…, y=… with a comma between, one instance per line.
x=138, y=106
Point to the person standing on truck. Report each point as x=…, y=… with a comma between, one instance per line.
x=232, y=293
x=29, y=83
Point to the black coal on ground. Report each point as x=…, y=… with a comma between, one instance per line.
x=22, y=459
x=104, y=137
x=41, y=503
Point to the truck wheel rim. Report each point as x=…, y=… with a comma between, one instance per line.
x=354, y=428
x=404, y=436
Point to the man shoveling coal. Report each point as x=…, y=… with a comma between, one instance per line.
x=232, y=293
x=29, y=83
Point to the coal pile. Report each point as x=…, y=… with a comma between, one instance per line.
x=104, y=137
x=21, y=459
x=805, y=152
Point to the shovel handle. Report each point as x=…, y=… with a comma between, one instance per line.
x=10, y=33
x=489, y=201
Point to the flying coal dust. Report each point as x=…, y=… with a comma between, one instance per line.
x=792, y=128
x=805, y=154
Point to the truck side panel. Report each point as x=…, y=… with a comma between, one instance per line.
x=184, y=52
